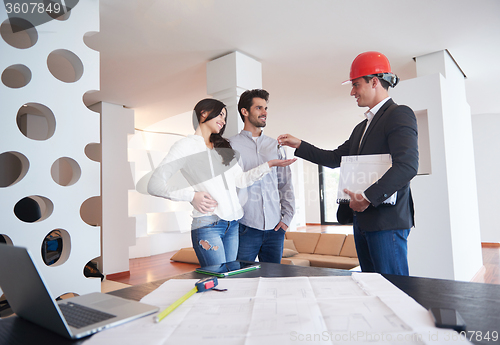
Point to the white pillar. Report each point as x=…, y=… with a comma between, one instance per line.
x=446, y=241
x=227, y=78
x=118, y=229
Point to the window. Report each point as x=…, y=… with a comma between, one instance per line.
x=328, y=185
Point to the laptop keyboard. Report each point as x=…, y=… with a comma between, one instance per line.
x=79, y=316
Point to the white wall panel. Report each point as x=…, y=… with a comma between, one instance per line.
x=71, y=127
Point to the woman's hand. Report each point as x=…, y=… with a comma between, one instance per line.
x=289, y=140
x=203, y=202
x=281, y=162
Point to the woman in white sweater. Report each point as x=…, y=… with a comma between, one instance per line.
x=210, y=166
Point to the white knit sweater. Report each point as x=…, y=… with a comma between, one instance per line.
x=191, y=167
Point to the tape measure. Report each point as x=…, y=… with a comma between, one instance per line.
x=202, y=285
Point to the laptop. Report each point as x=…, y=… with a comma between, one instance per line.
x=30, y=298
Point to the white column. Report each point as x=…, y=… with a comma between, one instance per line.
x=446, y=241
x=118, y=229
x=227, y=78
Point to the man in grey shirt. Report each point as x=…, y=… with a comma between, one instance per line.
x=269, y=204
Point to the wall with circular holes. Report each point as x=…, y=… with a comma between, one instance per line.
x=46, y=176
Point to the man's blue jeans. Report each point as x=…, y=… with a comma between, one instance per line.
x=215, y=241
x=382, y=251
x=266, y=244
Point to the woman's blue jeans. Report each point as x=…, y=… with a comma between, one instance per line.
x=215, y=241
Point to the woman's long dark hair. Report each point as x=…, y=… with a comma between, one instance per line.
x=214, y=107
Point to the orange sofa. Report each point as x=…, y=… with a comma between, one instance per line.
x=320, y=250
x=304, y=249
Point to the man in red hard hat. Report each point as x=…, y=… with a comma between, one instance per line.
x=382, y=215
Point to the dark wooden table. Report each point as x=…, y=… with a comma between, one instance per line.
x=478, y=303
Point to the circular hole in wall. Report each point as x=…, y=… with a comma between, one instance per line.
x=16, y=76
x=65, y=65
x=93, y=152
x=90, y=211
x=89, y=38
x=19, y=33
x=5, y=239
x=91, y=100
x=91, y=269
x=36, y=121
x=56, y=247
x=13, y=167
x=27, y=210
x=65, y=171
x=67, y=295
x=46, y=206
x=33, y=208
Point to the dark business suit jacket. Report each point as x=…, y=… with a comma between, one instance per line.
x=393, y=130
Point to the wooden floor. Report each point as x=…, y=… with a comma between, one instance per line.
x=148, y=269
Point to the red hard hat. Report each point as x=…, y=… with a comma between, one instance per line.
x=369, y=63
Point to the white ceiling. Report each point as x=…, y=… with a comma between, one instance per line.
x=154, y=53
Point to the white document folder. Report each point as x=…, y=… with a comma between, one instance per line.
x=357, y=173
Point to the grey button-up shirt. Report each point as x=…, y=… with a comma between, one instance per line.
x=270, y=200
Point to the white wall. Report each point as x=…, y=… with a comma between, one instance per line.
x=487, y=154
x=161, y=225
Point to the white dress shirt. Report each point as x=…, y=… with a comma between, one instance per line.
x=369, y=116
x=271, y=199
